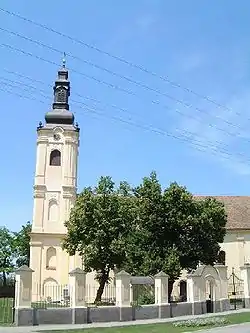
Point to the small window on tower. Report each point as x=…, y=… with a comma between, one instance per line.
x=55, y=158
x=61, y=95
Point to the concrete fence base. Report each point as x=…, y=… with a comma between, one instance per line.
x=83, y=315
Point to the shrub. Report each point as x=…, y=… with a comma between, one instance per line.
x=143, y=294
x=146, y=298
x=201, y=322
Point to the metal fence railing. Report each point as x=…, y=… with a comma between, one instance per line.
x=50, y=296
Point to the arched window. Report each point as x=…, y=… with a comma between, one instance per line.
x=51, y=290
x=222, y=257
x=53, y=211
x=51, y=258
x=61, y=95
x=55, y=158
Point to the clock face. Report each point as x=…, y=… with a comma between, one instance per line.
x=57, y=137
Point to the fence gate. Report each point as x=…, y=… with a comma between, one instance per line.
x=235, y=291
x=7, y=303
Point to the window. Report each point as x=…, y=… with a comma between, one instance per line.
x=51, y=258
x=55, y=158
x=61, y=96
x=222, y=257
x=53, y=211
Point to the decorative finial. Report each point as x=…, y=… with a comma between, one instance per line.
x=77, y=127
x=40, y=125
x=64, y=59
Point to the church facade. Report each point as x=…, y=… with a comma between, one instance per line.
x=55, y=189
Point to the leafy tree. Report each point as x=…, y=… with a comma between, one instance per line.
x=174, y=230
x=7, y=247
x=22, y=245
x=98, y=227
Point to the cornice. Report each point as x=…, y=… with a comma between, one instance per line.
x=40, y=187
x=69, y=188
x=39, y=191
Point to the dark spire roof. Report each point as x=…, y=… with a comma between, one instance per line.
x=60, y=113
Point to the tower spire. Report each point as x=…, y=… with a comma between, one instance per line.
x=60, y=113
x=64, y=59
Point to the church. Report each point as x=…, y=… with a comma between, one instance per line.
x=55, y=189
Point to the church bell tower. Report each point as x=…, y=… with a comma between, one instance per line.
x=55, y=188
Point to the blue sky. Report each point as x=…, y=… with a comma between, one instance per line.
x=201, y=45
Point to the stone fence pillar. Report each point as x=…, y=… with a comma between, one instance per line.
x=245, y=275
x=193, y=292
x=23, y=296
x=222, y=288
x=77, y=285
x=123, y=289
x=23, y=288
x=161, y=288
x=161, y=294
x=123, y=295
x=196, y=293
x=222, y=270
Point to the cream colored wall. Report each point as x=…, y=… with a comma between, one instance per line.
x=237, y=247
x=54, y=195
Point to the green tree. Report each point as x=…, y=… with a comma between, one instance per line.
x=98, y=227
x=22, y=245
x=7, y=249
x=174, y=230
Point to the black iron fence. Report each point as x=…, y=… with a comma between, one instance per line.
x=235, y=291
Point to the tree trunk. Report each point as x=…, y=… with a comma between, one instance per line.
x=102, y=281
x=4, y=279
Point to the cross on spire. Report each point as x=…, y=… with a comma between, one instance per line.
x=64, y=59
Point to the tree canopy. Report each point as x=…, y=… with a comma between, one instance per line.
x=22, y=245
x=98, y=228
x=143, y=230
x=14, y=250
x=7, y=249
x=174, y=230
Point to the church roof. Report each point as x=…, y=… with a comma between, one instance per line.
x=237, y=209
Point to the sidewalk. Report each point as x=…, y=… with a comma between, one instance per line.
x=40, y=328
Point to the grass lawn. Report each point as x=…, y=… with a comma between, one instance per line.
x=159, y=328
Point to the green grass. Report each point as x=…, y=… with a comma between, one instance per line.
x=159, y=328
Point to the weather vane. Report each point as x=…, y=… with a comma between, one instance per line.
x=64, y=59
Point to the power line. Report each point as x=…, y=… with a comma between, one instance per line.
x=113, y=86
x=77, y=94
x=139, y=84
x=72, y=70
x=21, y=96
x=131, y=64
x=93, y=99
x=199, y=146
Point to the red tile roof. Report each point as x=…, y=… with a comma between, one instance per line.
x=238, y=211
